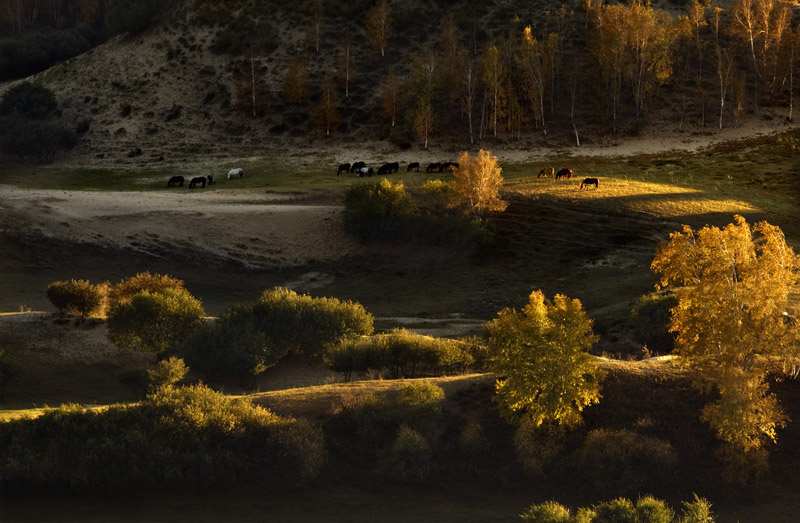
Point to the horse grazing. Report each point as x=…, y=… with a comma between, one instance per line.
x=389, y=168
x=175, y=181
x=590, y=181
x=433, y=167
x=412, y=166
x=356, y=167
x=545, y=172
x=365, y=171
x=199, y=180
x=343, y=168
x=233, y=173
x=210, y=180
x=564, y=173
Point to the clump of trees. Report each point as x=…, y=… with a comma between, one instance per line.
x=77, y=297
x=27, y=125
x=185, y=436
x=731, y=329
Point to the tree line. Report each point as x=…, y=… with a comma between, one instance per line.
x=594, y=63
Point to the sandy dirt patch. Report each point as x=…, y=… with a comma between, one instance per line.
x=255, y=229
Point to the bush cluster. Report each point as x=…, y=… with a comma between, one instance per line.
x=77, y=297
x=418, y=406
x=409, y=459
x=388, y=211
x=400, y=353
x=647, y=509
x=651, y=318
x=126, y=289
x=187, y=436
x=625, y=461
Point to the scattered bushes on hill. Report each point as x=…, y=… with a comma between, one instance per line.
x=77, y=297
x=417, y=405
x=132, y=16
x=621, y=510
x=159, y=322
x=233, y=346
x=626, y=462
x=306, y=325
x=143, y=281
x=187, y=436
x=651, y=317
x=400, y=353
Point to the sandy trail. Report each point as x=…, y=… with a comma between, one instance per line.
x=257, y=229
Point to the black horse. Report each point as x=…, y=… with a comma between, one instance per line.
x=356, y=167
x=433, y=167
x=590, y=181
x=564, y=173
x=389, y=168
x=343, y=168
x=198, y=180
x=210, y=180
x=412, y=166
x=175, y=181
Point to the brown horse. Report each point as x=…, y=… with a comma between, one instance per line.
x=564, y=173
x=545, y=172
x=590, y=181
x=343, y=168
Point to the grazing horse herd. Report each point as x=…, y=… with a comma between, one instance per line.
x=361, y=169
x=566, y=174
x=202, y=181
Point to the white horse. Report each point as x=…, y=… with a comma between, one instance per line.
x=233, y=173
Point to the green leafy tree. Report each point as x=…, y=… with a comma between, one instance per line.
x=157, y=322
x=28, y=100
x=541, y=359
x=730, y=328
x=167, y=373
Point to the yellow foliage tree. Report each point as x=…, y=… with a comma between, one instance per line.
x=295, y=83
x=328, y=108
x=390, y=96
x=378, y=26
x=546, y=375
x=731, y=328
x=477, y=181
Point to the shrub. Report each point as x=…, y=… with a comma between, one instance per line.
x=306, y=325
x=624, y=461
x=28, y=101
x=401, y=353
x=697, y=511
x=420, y=402
x=76, y=297
x=547, y=512
x=158, y=322
x=186, y=436
x=37, y=139
x=437, y=196
x=410, y=457
x=143, y=281
x=378, y=211
x=651, y=317
x=132, y=16
x=417, y=405
x=652, y=510
x=233, y=346
x=472, y=441
x=619, y=510
x=537, y=446
x=167, y=373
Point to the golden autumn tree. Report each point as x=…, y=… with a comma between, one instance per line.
x=542, y=356
x=378, y=26
x=731, y=328
x=328, y=109
x=424, y=120
x=390, y=96
x=477, y=182
x=295, y=83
